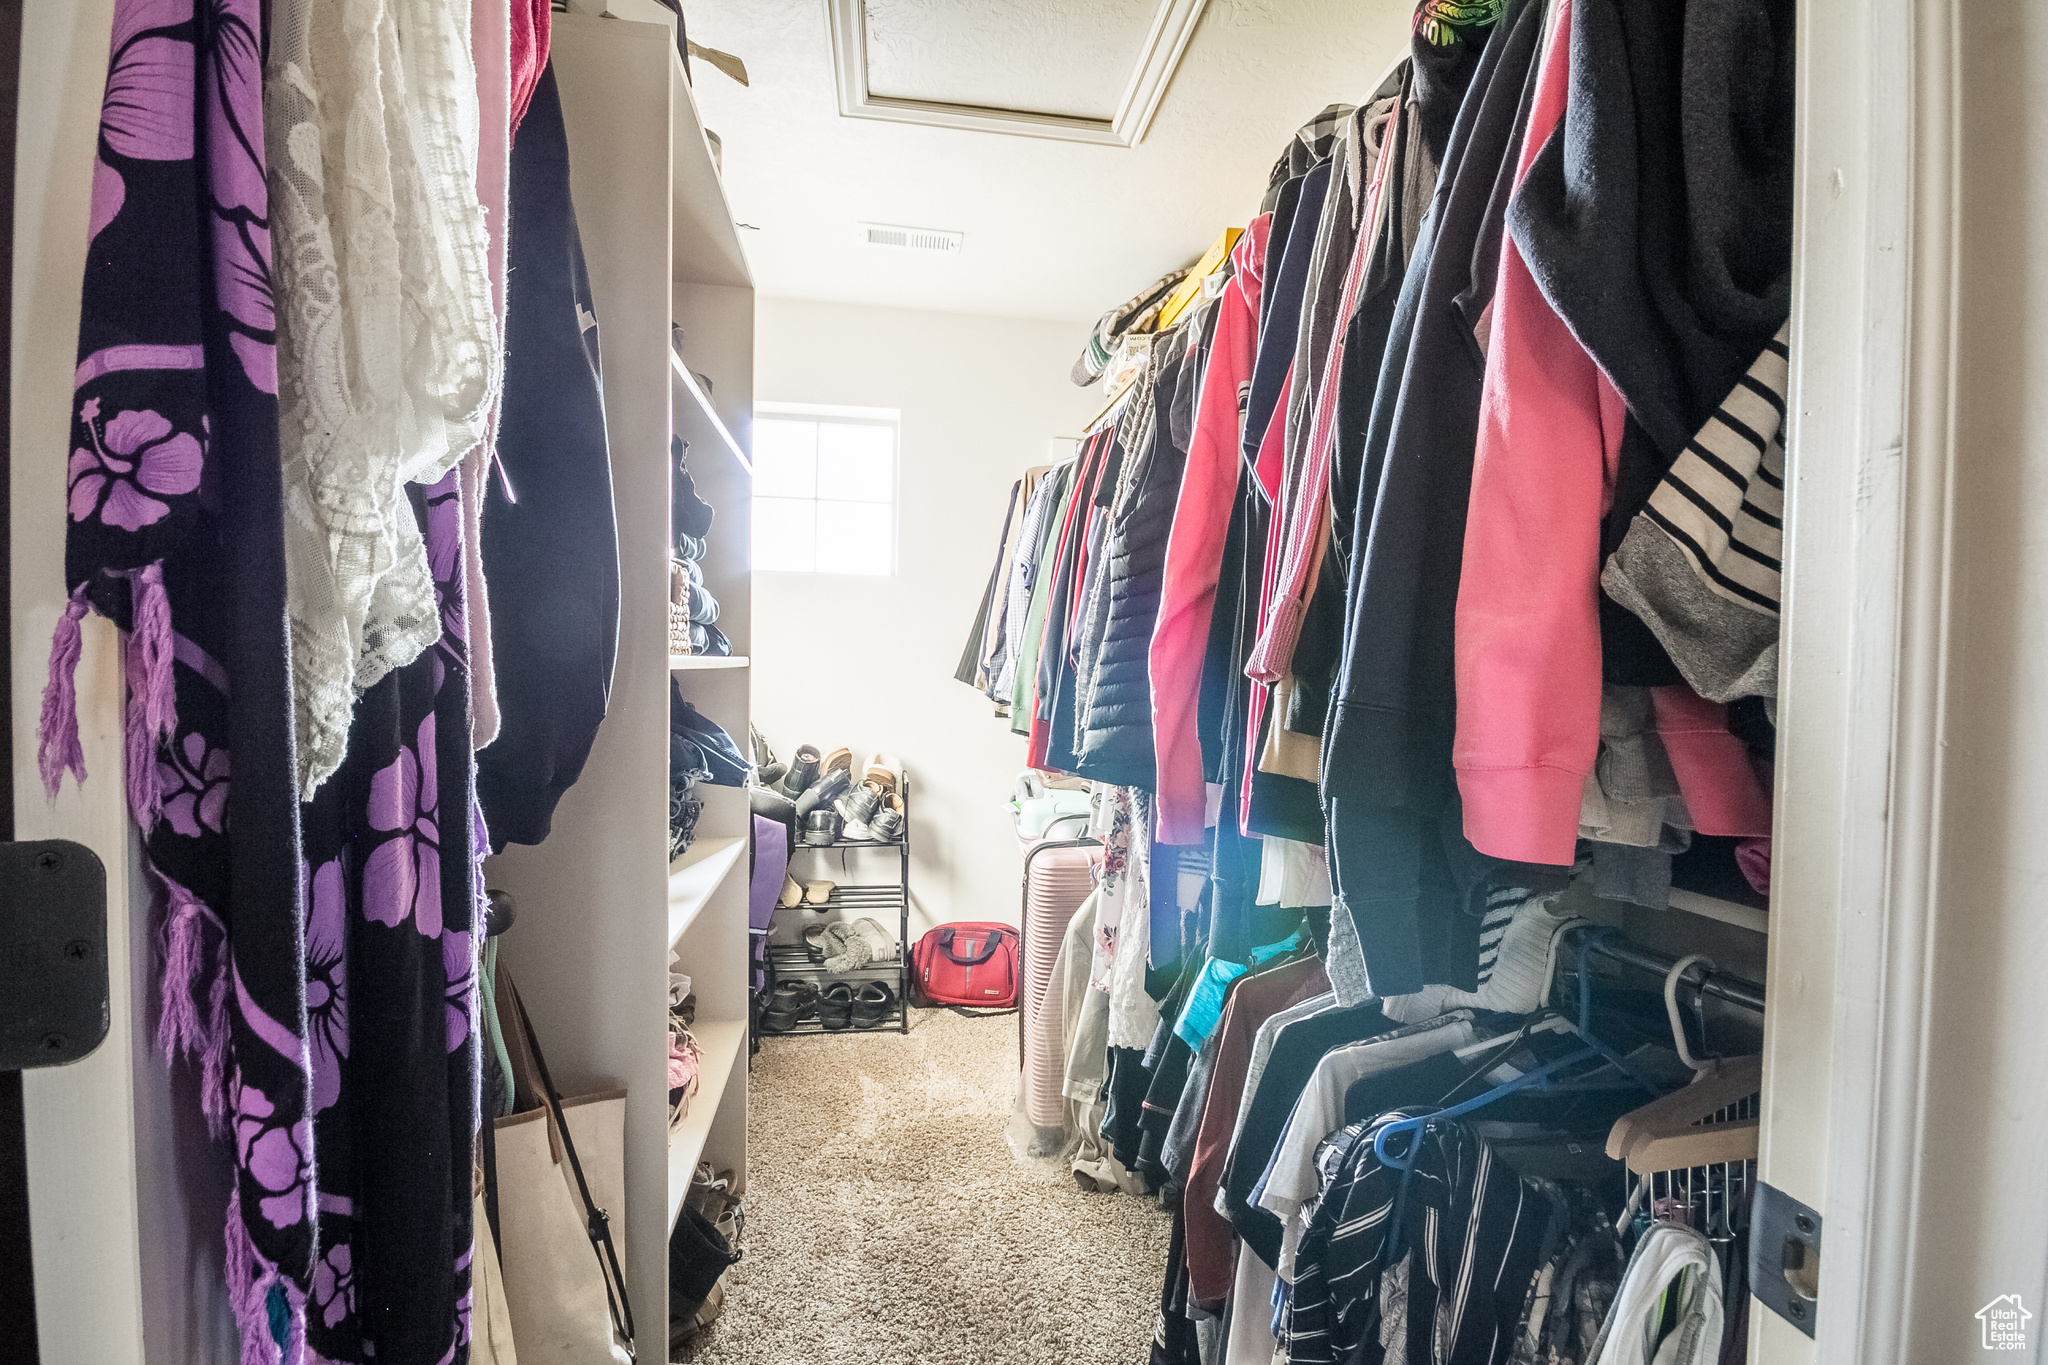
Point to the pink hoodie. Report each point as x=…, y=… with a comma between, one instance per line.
x=1528, y=628
x=1194, y=547
x=1723, y=793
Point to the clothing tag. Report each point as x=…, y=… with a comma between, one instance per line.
x=1212, y=804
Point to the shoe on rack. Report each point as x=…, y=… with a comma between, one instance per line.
x=821, y=828
x=838, y=761
x=814, y=942
x=770, y=773
x=792, y=893
x=835, y=1006
x=789, y=1004
x=803, y=771
x=887, y=822
x=885, y=773
x=770, y=804
x=818, y=895
x=820, y=793
x=873, y=1006
x=684, y=1330
x=858, y=806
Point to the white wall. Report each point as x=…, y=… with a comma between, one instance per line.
x=868, y=662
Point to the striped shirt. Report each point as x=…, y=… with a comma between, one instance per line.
x=1700, y=562
x=1475, y=1230
x=1724, y=500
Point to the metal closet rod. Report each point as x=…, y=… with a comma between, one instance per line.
x=1721, y=985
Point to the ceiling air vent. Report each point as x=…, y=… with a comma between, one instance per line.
x=935, y=240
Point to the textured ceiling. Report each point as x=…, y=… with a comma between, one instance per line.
x=968, y=52
x=1053, y=229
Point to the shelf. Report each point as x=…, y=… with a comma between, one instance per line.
x=693, y=878
x=1727, y=912
x=723, y=1042
x=892, y=1022
x=682, y=370
x=813, y=971
x=690, y=663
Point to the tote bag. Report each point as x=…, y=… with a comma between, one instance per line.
x=560, y=1197
x=490, y=1321
x=967, y=963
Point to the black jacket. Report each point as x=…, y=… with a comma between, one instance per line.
x=1657, y=220
x=1395, y=706
x=552, y=557
x=1398, y=861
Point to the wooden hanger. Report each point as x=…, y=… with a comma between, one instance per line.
x=1676, y=1132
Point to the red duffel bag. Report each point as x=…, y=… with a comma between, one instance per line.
x=967, y=964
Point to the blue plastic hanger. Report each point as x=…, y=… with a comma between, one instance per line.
x=1586, y=944
x=1528, y=1080
x=1595, y=1049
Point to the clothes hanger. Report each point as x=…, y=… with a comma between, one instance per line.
x=1488, y=1053
x=1680, y=1130
x=1537, y=1078
x=1548, y=1021
x=1584, y=1028
x=1678, y=1038
x=1595, y=1049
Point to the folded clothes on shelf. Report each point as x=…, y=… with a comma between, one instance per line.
x=701, y=746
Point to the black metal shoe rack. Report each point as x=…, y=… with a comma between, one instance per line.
x=849, y=902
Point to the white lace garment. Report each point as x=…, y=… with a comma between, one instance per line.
x=388, y=352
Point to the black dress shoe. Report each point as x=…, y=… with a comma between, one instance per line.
x=835, y=1006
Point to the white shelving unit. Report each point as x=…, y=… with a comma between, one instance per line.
x=593, y=947
x=695, y=879
x=724, y=1044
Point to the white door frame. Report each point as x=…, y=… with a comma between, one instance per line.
x=1867, y=588
x=1862, y=680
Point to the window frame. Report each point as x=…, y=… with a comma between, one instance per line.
x=827, y=414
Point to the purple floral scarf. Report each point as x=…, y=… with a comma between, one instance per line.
x=343, y=1023
x=392, y=865
x=175, y=534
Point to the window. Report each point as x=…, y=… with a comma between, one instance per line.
x=824, y=490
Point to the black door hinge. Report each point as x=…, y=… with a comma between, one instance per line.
x=53, y=953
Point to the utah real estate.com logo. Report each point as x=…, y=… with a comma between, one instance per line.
x=2004, y=1321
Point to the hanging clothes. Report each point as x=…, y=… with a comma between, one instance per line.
x=490, y=23
x=1395, y=854
x=973, y=657
x=1674, y=1270
x=1024, y=608
x=1116, y=742
x=393, y=849
x=551, y=541
x=388, y=349
x=1699, y=563
x=1195, y=543
x=175, y=533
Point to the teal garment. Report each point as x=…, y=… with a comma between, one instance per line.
x=1204, y=1009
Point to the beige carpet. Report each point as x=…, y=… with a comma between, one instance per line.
x=888, y=1224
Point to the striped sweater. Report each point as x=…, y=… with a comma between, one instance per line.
x=1700, y=563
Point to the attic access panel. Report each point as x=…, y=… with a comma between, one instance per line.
x=906, y=64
